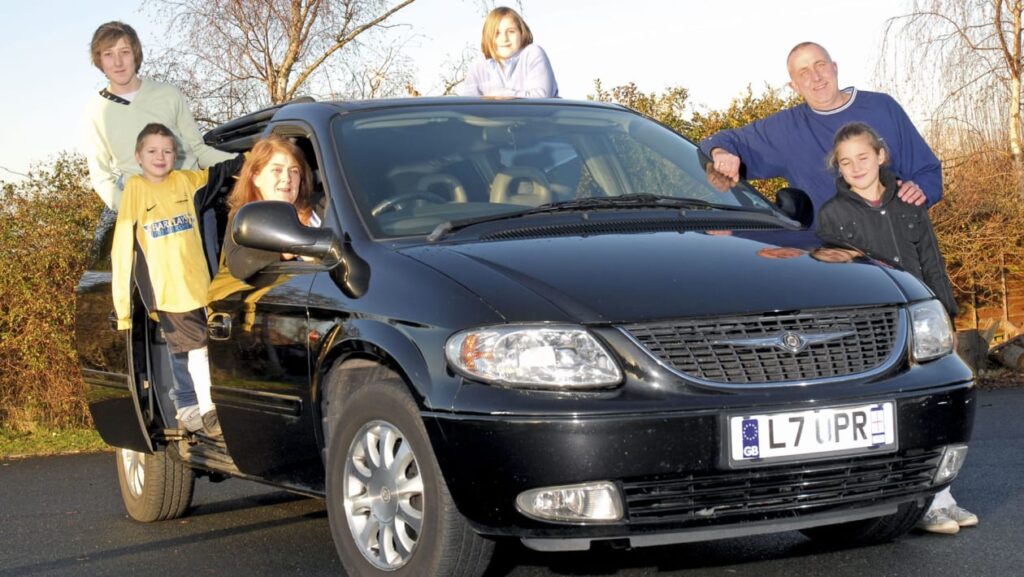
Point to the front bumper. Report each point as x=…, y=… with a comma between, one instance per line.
x=670, y=468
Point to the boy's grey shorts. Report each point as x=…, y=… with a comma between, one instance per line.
x=184, y=332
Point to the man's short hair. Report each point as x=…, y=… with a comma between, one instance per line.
x=107, y=35
x=805, y=45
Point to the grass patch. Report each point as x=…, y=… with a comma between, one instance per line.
x=14, y=444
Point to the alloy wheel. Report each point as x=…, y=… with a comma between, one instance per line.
x=134, y=470
x=383, y=495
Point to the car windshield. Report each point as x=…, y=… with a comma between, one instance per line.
x=414, y=169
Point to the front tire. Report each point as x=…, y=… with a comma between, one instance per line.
x=389, y=508
x=154, y=487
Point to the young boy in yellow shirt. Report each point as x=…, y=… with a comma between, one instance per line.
x=159, y=215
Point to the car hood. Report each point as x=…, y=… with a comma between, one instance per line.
x=639, y=277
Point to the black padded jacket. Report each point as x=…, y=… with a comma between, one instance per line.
x=894, y=232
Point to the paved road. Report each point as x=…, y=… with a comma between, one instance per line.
x=63, y=517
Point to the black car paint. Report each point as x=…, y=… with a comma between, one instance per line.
x=627, y=446
x=642, y=277
x=503, y=439
x=104, y=355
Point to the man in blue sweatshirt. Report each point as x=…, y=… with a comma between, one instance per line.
x=794, y=143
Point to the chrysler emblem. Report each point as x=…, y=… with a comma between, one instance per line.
x=790, y=341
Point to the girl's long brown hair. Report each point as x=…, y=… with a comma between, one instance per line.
x=494, y=18
x=245, y=190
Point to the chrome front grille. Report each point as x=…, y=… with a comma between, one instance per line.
x=775, y=348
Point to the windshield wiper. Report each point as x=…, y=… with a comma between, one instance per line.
x=639, y=200
x=449, y=226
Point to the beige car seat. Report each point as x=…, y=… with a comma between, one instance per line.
x=523, y=185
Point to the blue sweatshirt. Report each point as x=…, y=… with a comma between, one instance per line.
x=796, y=142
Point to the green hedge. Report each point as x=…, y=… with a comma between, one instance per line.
x=45, y=234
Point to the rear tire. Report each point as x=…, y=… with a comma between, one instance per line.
x=387, y=502
x=870, y=531
x=154, y=487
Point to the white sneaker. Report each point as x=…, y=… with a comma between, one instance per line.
x=189, y=418
x=938, y=521
x=962, y=516
x=211, y=424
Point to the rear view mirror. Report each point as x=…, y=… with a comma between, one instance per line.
x=795, y=204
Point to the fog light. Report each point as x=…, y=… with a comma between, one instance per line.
x=952, y=459
x=583, y=503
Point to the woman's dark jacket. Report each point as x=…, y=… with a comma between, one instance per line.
x=895, y=232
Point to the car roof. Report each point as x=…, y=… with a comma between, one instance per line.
x=306, y=108
x=353, y=105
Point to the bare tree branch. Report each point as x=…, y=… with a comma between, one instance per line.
x=343, y=39
x=961, y=61
x=971, y=49
x=234, y=56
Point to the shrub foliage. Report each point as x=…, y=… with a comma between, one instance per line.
x=670, y=109
x=45, y=233
x=980, y=225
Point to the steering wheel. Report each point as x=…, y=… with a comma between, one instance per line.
x=396, y=202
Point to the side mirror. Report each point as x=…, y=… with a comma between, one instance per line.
x=353, y=276
x=274, y=225
x=795, y=204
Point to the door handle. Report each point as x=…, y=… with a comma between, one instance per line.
x=218, y=326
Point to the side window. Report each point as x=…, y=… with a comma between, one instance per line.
x=319, y=196
x=216, y=220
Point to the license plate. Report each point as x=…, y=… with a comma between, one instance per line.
x=789, y=436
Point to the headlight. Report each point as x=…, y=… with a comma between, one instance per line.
x=932, y=331
x=547, y=356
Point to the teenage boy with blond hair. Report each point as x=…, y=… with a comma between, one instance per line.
x=117, y=113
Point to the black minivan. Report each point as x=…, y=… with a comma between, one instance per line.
x=536, y=319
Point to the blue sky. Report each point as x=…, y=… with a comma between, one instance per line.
x=714, y=49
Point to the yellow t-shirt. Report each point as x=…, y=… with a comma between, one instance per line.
x=164, y=221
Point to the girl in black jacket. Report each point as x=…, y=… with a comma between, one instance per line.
x=865, y=214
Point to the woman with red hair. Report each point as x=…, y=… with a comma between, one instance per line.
x=275, y=169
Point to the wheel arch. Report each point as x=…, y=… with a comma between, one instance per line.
x=384, y=344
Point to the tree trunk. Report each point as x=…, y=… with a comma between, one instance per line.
x=1005, y=290
x=1017, y=133
x=1015, y=123
x=1016, y=129
x=1010, y=354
